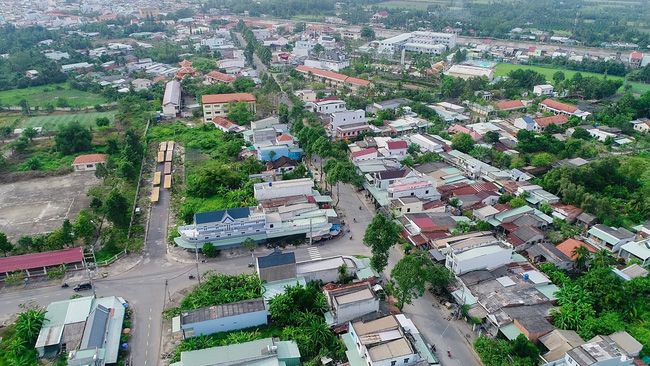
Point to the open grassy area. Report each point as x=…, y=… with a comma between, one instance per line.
x=10, y=119
x=504, y=69
x=53, y=121
x=42, y=96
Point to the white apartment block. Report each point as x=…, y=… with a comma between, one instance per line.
x=343, y=118
x=417, y=42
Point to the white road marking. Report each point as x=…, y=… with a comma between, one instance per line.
x=314, y=254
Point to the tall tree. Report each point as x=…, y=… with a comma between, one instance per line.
x=83, y=227
x=30, y=133
x=5, y=245
x=117, y=209
x=582, y=256
x=462, y=142
x=411, y=275
x=73, y=138
x=380, y=235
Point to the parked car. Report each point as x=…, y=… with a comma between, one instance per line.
x=83, y=286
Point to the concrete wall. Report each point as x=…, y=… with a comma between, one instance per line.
x=226, y=324
x=347, y=312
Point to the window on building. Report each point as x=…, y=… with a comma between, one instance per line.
x=427, y=192
x=408, y=210
x=406, y=360
x=271, y=226
x=89, y=165
x=393, y=363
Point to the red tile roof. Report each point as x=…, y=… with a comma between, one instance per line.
x=511, y=104
x=221, y=76
x=332, y=75
x=223, y=122
x=363, y=152
x=326, y=99
x=510, y=226
x=515, y=240
x=227, y=98
x=392, y=145
x=89, y=158
x=464, y=191
x=424, y=223
x=636, y=55
x=284, y=137
x=39, y=260
x=568, y=245
x=418, y=239
x=559, y=106
x=558, y=119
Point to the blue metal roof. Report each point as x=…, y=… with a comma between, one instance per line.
x=276, y=258
x=95, y=328
x=528, y=120
x=217, y=216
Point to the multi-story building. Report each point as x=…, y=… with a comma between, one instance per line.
x=344, y=118
x=282, y=189
x=215, y=105
x=545, y=89
x=423, y=42
x=224, y=224
x=413, y=186
x=490, y=256
x=332, y=79
x=382, y=342
x=328, y=105
x=351, y=131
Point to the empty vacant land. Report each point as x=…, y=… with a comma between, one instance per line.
x=53, y=121
x=39, y=206
x=42, y=96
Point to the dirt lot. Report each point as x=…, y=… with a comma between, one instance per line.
x=39, y=206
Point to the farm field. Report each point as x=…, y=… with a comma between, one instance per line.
x=53, y=121
x=43, y=96
x=504, y=69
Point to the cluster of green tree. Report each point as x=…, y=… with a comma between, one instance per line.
x=299, y=311
x=19, y=339
x=84, y=229
x=591, y=87
x=122, y=27
x=219, y=288
x=599, y=302
x=627, y=108
x=165, y=52
x=13, y=68
x=574, y=146
x=609, y=67
x=413, y=273
x=496, y=19
x=253, y=45
x=499, y=352
x=613, y=188
x=215, y=180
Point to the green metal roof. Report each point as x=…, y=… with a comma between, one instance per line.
x=379, y=194
x=240, y=352
x=517, y=211
x=352, y=354
x=510, y=331
x=602, y=235
x=548, y=291
x=423, y=349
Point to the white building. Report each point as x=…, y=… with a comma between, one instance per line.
x=281, y=189
x=171, y=103
x=598, y=353
x=478, y=257
x=427, y=143
x=382, y=342
x=418, y=42
x=467, y=72
x=88, y=162
x=342, y=118
x=328, y=105
x=540, y=90
x=262, y=34
x=414, y=186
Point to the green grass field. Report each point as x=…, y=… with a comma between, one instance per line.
x=52, y=122
x=504, y=69
x=42, y=96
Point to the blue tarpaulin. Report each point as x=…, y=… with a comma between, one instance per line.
x=336, y=227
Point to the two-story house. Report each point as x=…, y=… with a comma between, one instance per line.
x=414, y=186
x=328, y=105
x=381, y=342
x=605, y=237
x=219, y=104
x=219, y=225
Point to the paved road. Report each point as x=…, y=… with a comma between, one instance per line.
x=431, y=321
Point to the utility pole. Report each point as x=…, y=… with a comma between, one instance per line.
x=196, y=252
x=311, y=240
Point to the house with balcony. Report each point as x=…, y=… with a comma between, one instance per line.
x=214, y=226
x=488, y=257
x=349, y=302
x=328, y=105
x=381, y=342
x=605, y=237
x=413, y=186
x=637, y=249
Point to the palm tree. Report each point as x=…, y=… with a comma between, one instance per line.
x=581, y=255
x=29, y=325
x=602, y=258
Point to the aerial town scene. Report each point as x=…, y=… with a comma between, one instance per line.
x=334, y=182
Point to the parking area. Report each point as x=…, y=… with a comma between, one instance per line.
x=39, y=206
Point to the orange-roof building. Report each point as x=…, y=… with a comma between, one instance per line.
x=332, y=79
x=88, y=162
x=185, y=70
x=214, y=77
x=569, y=245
